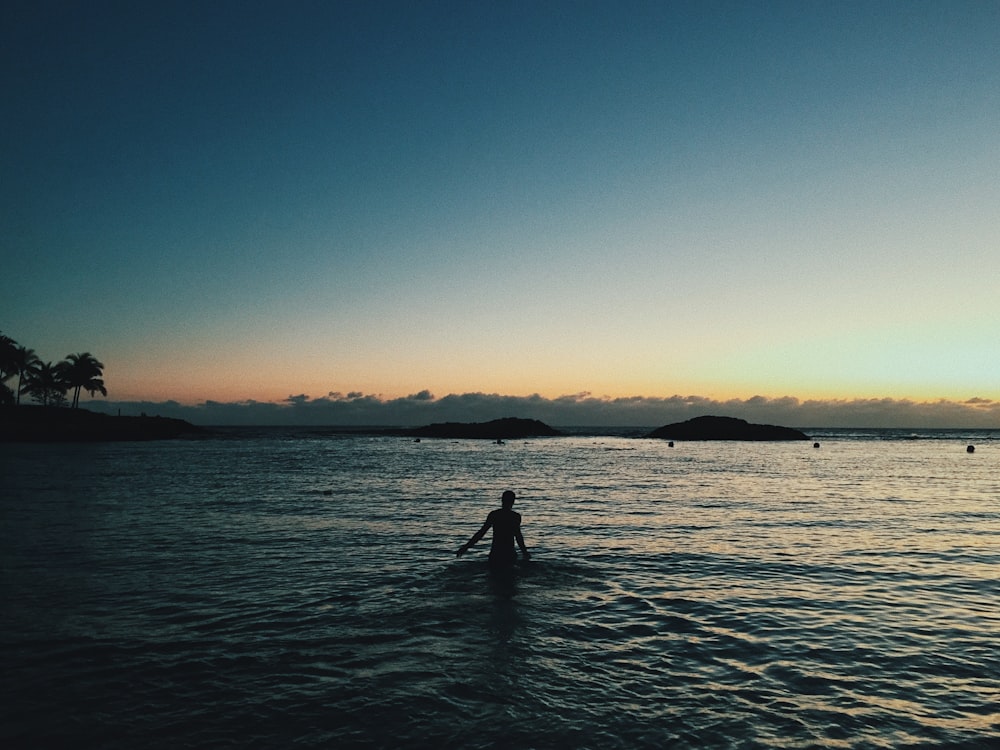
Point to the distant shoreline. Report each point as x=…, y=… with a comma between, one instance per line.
x=52, y=424
x=38, y=424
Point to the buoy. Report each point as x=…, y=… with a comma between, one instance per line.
x=971, y=449
x=815, y=445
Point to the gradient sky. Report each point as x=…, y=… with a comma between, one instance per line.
x=248, y=200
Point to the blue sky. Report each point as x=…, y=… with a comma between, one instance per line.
x=248, y=201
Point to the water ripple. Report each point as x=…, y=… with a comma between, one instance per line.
x=304, y=592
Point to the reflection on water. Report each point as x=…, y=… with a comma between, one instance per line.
x=279, y=592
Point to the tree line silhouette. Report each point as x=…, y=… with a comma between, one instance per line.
x=44, y=382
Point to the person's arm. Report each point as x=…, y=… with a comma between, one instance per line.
x=520, y=542
x=475, y=537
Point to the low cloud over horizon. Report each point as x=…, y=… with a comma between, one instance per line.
x=582, y=409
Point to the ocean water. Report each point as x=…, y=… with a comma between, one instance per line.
x=285, y=588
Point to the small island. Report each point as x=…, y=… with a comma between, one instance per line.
x=54, y=424
x=508, y=428
x=725, y=428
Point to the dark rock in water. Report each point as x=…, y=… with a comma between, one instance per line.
x=49, y=424
x=725, y=428
x=498, y=429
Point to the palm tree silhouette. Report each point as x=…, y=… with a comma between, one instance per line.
x=82, y=372
x=45, y=383
x=24, y=361
x=8, y=357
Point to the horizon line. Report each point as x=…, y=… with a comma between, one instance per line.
x=582, y=409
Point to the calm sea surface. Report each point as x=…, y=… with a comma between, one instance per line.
x=289, y=588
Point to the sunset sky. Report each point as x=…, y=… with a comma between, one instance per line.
x=234, y=201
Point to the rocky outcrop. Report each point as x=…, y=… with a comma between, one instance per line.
x=47, y=424
x=509, y=428
x=725, y=428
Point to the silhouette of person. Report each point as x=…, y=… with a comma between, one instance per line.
x=506, y=530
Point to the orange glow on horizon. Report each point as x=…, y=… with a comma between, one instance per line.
x=276, y=388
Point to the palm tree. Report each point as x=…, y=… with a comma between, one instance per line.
x=82, y=372
x=24, y=360
x=7, y=348
x=8, y=366
x=45, y=383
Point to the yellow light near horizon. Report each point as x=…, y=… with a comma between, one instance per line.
x=899, y=363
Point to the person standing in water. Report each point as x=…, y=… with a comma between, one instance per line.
x=506, y=530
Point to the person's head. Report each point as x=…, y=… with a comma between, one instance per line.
x=507, y=498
